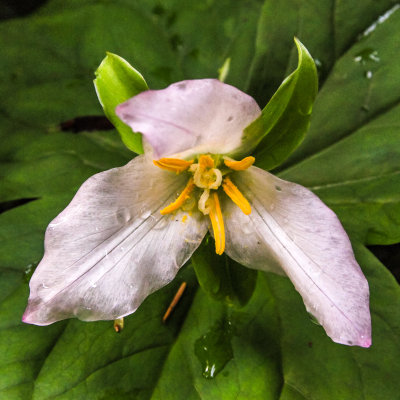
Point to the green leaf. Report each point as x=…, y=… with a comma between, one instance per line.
x=350, y=157
x=359, y=178
x=285, y=119
x=117, y=81
x=313, y=365
x=339, y=24
x=250, y=333
x=222, y=278
x=363, y=84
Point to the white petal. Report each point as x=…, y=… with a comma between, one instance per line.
x=111, y=247
x=190, y=117
x=291, y=225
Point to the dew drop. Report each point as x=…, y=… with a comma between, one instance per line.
x=161, y=224
x=29, y=270
x=146, y=214
x=318, y=64
x=367, y=56
x=368, y=74
x=313, y=319
x=368, y=59
x=379, y=21
x=246, y=229
x=214, y=349
x=123, y=216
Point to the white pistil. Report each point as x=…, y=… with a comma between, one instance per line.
x=210, y=179
x=202, y=202
x=218, y=179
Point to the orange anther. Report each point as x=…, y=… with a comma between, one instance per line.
x=240, y=165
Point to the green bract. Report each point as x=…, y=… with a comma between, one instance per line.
x=285, y=119
x=117, y=81
x=221, y=277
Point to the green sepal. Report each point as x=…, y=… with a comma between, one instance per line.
x=285, y=119
x=117, y=81
x=222, y=278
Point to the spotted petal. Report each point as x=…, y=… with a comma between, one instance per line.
x=190, y=117
x=111, y=247
x=290, y=226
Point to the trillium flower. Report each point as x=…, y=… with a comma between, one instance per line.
x=129, y=230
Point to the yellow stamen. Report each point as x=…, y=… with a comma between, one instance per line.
x=173, y=164
x=217, y=223
x=240, y=165
x=174, y=301
x=205, y=161
x=118, y=324
x=236, y=196
x=180, y=200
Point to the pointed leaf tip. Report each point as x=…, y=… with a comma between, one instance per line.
x=285, y=119
x=117, y=81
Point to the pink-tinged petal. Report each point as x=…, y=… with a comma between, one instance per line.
x=291, y=226
x=111, y=247
x=190, y=117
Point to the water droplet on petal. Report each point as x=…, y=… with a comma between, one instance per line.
x=146, y=214
x=161, y=224
x=123, y=216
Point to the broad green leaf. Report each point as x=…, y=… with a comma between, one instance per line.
x=359, y=178
x=70, y=44
x=249, y=335
x=327, y=28
x=316, y=368
x=228, y=29
x=285, y=119
x=222, y=278
x=58, y=163
x=351, y=153
x=117, y=81
x=274, y=351
x=364, y=83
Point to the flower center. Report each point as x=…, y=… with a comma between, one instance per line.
x=207, y=177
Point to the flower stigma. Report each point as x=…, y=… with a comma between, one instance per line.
x=207, y=176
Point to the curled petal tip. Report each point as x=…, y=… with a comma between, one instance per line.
x=32, y=315
x=27, y=317
x=365, y=341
